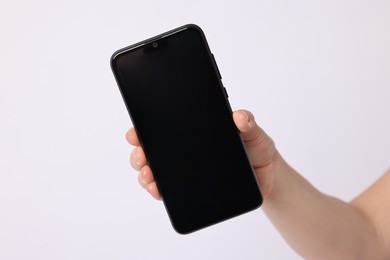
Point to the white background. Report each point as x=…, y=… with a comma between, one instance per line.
x=315, y=74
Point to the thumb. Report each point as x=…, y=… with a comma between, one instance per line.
x=260, y=147
x=246, y=124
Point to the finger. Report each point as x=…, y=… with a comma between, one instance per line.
x=146, y=180
x=138, y=158
x=153, y=190
x=132, y=138
x=145, y=176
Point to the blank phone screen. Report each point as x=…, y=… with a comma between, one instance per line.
x=178, y=106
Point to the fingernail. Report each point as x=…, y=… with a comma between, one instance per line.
x=251, y=123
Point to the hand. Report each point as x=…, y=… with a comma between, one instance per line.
x=259, y=146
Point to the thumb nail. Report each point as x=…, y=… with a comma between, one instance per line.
x=251, y=122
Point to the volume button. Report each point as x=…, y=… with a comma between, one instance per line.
x=215, y=63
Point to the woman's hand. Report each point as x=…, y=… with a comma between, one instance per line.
x=259, y=146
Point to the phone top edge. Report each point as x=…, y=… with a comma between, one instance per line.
x=168, y=34
x=154, y=38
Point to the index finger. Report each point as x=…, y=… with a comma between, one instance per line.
x=132, y=138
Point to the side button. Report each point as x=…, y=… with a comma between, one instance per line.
x=215, y=63
x=226, y=94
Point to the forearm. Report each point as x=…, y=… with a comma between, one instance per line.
x=315, y=225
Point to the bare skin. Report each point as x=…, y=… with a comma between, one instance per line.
x=316, y=226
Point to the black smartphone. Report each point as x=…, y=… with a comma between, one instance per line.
x=180, y=110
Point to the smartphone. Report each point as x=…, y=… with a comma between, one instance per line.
x=180, y=110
